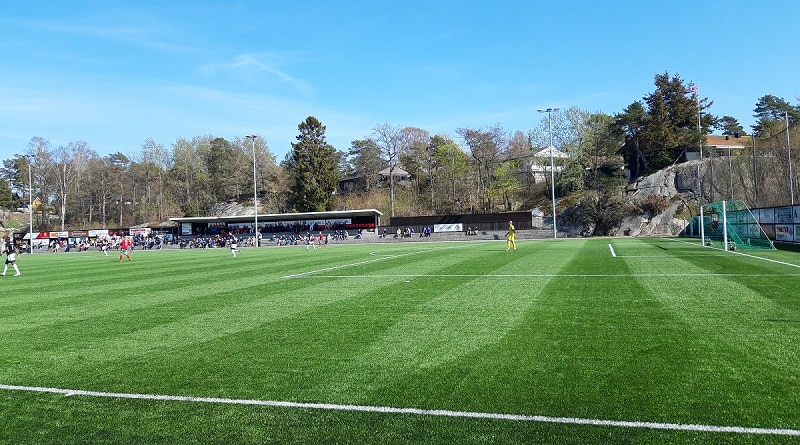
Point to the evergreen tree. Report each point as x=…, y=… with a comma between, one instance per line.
x=314, y=167
x=771, y=112
x=657, y=135
x=7, y=200
x=729, y=126
x=364, y=159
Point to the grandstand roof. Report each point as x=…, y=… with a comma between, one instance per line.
x=275, y=217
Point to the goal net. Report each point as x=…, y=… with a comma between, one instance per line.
x=733, y=221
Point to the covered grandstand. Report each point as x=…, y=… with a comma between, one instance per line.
x=363, y=219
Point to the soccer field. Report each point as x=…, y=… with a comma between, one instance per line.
x=591, y=341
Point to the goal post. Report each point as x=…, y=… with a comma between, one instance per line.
x=733, y=226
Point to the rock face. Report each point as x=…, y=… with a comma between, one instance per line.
x=231, y=209
x=677, y=185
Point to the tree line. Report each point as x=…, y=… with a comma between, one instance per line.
x=478, y=170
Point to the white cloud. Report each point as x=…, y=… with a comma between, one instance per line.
x=251, y=65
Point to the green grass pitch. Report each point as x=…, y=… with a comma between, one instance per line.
x=591, y=341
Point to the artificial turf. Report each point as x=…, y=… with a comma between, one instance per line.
x=655, y=331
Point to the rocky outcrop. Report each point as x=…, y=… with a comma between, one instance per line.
x=653, y=201
x=231, y=209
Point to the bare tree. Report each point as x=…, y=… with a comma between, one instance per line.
x=486, y=148
x=390, y=139
x=69, y=163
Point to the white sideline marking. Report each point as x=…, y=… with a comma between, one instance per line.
x=783, y=263
x=613, y=254
x=765, y=259
x=553, y=275
x=415, y=411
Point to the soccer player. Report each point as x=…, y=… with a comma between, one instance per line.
x=125, y=247
x=11, y=251
x=511, y=237
x=234, y=245
x=310, y=241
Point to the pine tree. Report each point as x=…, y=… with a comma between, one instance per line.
x=314, y=167
x=657, y=134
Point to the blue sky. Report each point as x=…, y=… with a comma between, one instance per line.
x=114, y=73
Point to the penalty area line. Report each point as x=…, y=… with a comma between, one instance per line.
x=413, y=411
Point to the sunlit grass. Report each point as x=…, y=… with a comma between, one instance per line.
x=665, y=331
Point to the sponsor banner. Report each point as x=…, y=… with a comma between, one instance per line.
x=797, y=233
x=455, y=227
x=796, y=214
x=784, y=232
x=186, y=229
x=766, y=216
x=57, y=235
x=37, y=235
x=78, y=233
x=98, y=233
x=783, y=215
x=143, y=231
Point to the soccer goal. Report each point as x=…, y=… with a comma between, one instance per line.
x=731, y=225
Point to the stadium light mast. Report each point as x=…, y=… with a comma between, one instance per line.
x=549, y=112
x=252, y=138
x=30, y=207
x=789, y=148
x=693, y=88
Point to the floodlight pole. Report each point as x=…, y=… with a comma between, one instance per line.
x=30, y=207
x=789, y=148
x=755, y=172
x=549, y=112
x=253, y=138
x=696, y=90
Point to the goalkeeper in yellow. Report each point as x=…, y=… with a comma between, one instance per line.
x=511, y=237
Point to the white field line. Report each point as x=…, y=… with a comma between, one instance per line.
x=374, y=260
x=414, y=411
x=613, y=254
x=783, y=263
x=704, y=255
x=550, y=275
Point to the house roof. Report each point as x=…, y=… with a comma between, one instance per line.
x=719, y=141
x=545, y=153
x=398, y=172
x=275, y=217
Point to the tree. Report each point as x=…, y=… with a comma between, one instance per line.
x=451, y=174
x=221, y=164
x=416, y=158
x=314, y=167
x=390, y=140
x=729, y=126
x=602, y=163
x=189, y=175
x=7, y=200
x=631, y=124
x=507, y=185
x=663, y=126
x=364, y=160
x=486, y=147
x=770, y=113
x=15, y=174
x=156, y=160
